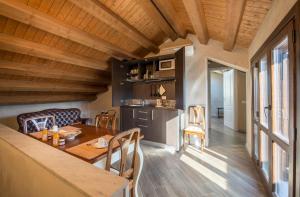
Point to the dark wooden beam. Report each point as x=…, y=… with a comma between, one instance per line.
x=35, y=18
x=18, y=45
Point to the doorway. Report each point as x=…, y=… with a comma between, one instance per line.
x=227, y=105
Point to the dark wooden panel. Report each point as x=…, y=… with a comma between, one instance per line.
x=120, y=89
x=180, y=77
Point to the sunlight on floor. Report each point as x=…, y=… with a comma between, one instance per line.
x=209, y=174
x=209, y=159
x=215, y=153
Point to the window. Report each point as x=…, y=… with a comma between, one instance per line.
x=255, y=141
x=264, y=154
x=281, y=172
x=263, y=91
x=280, y=90
x=255, y=92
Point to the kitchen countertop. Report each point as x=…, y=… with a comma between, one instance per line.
x=149, y=106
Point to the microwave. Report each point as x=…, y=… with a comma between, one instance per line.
x=167, y=64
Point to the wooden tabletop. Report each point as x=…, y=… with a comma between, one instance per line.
x=88, y=133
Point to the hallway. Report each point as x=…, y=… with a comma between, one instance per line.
x=223, y=169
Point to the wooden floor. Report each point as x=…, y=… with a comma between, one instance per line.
x=223, y=169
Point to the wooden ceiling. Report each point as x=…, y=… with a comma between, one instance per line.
x=58, y=50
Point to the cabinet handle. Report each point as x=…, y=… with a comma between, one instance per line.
x=133, y=115
x=152, y=114
x=144, y=112
x=145, y=126
x=142, y=118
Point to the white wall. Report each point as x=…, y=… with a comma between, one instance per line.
x=216, y=92
x=102, y=103
x=196, y=68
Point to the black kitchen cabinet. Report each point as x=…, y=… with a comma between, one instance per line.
x=158, y=129
x=180, y=78
x=120, y=90
x=127, y=118
x=152, y=121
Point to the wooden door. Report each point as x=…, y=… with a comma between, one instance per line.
x=229, y=99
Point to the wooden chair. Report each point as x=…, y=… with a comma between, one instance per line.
x=125, y=139
x=106, y=120
x=38, y=122
x=196, y=125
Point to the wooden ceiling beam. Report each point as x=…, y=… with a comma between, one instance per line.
x=156, y=16
x=14, y=85
x=18, y=45
x=195, y=12
x=40, y=20
x=13, y=98
x=169, y=12
x=235, y=11
x=102, y=13
x=50, y=72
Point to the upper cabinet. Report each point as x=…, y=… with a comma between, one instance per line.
x=160, y=77
x=120, y=90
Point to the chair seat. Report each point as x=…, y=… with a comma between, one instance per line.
x=195, y=129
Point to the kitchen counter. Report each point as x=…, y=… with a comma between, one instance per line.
x=150, y=106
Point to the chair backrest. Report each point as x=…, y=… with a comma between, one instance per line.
x=106, y=119
x=39, y=122
x=124, y=140
x=197, y=115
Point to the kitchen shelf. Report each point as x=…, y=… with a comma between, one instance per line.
x=150, y=80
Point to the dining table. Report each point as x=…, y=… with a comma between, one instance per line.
x=81, y=147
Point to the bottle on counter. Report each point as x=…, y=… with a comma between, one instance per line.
x=55, y=138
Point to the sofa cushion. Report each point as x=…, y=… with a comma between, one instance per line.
x=63, y=117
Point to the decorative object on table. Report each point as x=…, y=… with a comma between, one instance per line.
x=125, y=139
x=101, y=143
x=106, y=120
x=69, y=132
x=61, y=142
x=55, y=138
x=196, y=125
x=44, y=134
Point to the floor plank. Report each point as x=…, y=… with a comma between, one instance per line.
x=223, y=169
